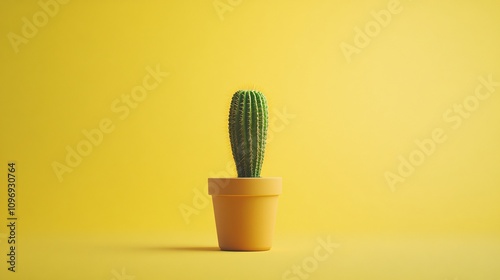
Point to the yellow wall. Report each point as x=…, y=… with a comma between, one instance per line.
x=344, y=106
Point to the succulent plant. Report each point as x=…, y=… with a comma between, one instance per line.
x=248, y=121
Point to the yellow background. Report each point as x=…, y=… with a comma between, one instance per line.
x=348, y=123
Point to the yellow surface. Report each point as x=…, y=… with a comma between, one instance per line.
x=294, y=256
x=356, y=89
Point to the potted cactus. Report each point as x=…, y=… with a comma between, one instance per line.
x=245, y=207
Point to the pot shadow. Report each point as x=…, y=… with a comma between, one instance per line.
x=193, y=248
x=177, y=248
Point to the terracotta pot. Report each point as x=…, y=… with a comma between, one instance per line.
x=245, y=212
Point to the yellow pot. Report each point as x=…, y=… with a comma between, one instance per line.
x=245, y=212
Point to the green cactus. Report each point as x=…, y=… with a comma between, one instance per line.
x=248, y=121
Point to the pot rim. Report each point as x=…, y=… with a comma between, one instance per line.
x=245, y=186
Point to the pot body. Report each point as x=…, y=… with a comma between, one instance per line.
x=245, y=212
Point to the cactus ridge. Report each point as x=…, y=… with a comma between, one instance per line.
x=248, y=122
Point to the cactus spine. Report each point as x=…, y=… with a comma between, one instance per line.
x=248, y=121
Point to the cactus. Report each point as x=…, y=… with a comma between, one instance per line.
x=248, y=121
